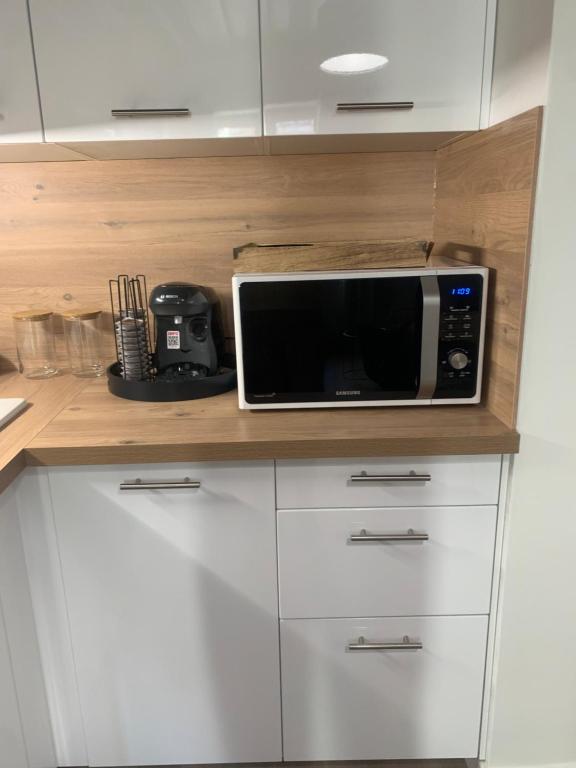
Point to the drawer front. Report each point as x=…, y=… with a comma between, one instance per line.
x=385, y=562
x=340, y=704
x=391, y=482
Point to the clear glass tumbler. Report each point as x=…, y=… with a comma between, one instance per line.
x=83, y=334
x=34, y=334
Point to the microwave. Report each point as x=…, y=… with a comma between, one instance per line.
x=360, y=338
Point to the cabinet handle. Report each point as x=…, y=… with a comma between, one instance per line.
x=412, y=477
x=164, y=485
x=393, y=538
x=364, y=106
x=184, y=112
x=405, y=645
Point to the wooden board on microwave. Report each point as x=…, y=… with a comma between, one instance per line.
x=357, y=254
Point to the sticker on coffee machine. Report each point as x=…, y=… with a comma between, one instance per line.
x=173, y=339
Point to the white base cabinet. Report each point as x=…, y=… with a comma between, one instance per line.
x=166, y=639
x=173, y=612
x=340, y=704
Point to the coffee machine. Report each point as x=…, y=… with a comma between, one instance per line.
x=189, y=338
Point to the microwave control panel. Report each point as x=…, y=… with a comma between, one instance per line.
x=460, y=335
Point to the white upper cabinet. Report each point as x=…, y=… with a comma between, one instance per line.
x=194, y=64
x=19, y=109
x=429, y=75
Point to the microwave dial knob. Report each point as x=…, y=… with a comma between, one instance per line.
x=458, y=359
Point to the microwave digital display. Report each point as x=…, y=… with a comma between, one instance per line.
x=461, y=291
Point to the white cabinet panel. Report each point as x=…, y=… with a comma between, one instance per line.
x=453, y=480
x=173, y=612
x=325, y=573
x=95, y=56
x=12, y=750
x=435, y=53
x=16, y=606
x=19, y=109
x=51, y=617
x=376, y=705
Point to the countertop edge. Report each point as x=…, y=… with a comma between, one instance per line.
x=48, y=401
x=507, y=442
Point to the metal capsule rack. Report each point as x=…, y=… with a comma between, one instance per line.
x=131, y=326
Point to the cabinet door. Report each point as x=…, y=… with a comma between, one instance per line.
x=173, y=612
x=371, y=704
x=199, y=58
x=19, y=109
x=434, y=52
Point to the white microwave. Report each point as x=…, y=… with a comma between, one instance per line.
x=360, y=338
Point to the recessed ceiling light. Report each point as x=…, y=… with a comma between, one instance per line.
x=353, y=63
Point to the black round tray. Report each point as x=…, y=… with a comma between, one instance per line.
x=167, y=391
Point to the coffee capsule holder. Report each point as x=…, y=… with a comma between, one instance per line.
x=134, y=375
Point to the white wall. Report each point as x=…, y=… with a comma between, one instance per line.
x=520, y=74
x=534, y=705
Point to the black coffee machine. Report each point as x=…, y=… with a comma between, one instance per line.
x=189, y=339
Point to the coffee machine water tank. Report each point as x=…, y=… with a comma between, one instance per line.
x=189, y=339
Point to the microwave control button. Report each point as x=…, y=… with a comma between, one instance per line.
x=458, y=359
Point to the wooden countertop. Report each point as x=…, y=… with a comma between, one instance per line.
x=46, y=399
x=74, y=421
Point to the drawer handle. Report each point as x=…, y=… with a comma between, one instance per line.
x=405, y=645
x=411, y=477
x=184, y=112
x=392, y=538
x=372, y=106
x=165, y=485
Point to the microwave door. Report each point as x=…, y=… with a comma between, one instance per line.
x=387, y=318
x=394, y=329
x=335, y=340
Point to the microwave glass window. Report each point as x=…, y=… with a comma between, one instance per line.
x=318, y=340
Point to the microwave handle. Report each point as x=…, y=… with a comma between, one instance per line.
x=430, y=336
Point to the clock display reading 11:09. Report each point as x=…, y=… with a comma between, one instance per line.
x=461, y=291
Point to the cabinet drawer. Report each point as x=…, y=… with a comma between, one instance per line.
x=340, y=704
x=391, y=482
x=330, y=567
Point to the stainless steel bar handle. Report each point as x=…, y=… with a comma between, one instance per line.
x=405, y=645
x=179, y=112
x=411, y=477
x=393, y=538
x=430, y=336
x=363, y=106
x=164, y=485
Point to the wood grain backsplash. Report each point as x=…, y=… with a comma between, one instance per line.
x=66, y=228
x=485, y=192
